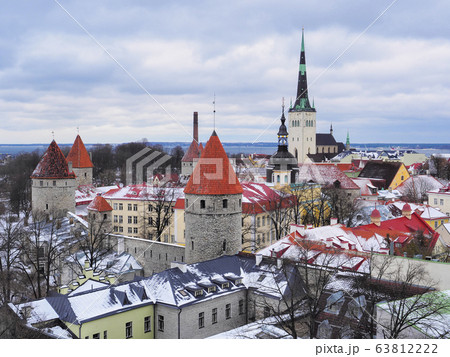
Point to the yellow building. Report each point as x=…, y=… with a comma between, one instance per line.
x=143, y=211
x=389, y=175
x=95, y=310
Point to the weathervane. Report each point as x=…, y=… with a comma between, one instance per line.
x=214, y=111
x=53, y=135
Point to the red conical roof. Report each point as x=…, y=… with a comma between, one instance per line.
x=78, y=155
x=99, y=204
x=213, y=174
x=375, y=214
x=53, y=164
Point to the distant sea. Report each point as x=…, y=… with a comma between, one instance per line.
x=245, y=148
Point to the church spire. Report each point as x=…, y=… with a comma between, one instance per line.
x=302, y=101
x=347, y=144
x=282, y=132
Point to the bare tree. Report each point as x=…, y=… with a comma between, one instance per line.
x=11, y=235
x=342, y=205
x=278, y=206
x=158, y=212
x=410, y=300
x=284, y=296
x=94, y=241
x=43, y=249
x=415, y=190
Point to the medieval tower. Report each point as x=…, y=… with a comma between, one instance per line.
x=81, y=162
x=302, y=116
x=213, y=201
x=53, y=184
x=192, y=155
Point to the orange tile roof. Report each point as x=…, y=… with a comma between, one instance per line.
x=79, y=155
x=213, y=174
x=192, y=153
x=53, y=165
x=99, y=204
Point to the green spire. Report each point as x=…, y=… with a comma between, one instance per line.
x=347, y=143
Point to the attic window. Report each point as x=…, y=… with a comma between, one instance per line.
x=225, y=285
x=238, y=282
x=211, y=289
x=261, y=278
x=198, y=293
x=183, y=292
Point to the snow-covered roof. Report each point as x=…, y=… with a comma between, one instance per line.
x=144, y=192
x=425, y=211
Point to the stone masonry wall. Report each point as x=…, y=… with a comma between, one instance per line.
x=83, y=175
x=153, y=256
x=189, y=317
x=48, y=195
x=211, y=229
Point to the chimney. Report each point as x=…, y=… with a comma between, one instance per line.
x=406, y=211
x=333, y=221
x=196, y=126
x=258, y=259
x=86, y=264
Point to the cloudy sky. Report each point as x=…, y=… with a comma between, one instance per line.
x=126, y=70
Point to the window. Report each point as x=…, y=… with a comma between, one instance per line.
x=240, y=202
x=241, y=307
x=224, y=245
x=160, y=323
x=135, y=230
x=166, y=237
x=198, y=293
x=130, y=230
x=264, y=220
x=435, y=201
x=105, y=216
x=225, y=285
x=135, y=220
x=266, y=311
x=41, y=183
x=121, y=229
x=115, y=206
x=130, y=219
x=150, y=208
x=228, y=311
x=116, y=229
x=147, y=324
x=202, y=204
x=150, y=220
x=120, y=219
x=441, y=202
x=201, y=320
x=211, y=289
x=116, y=218
x=130, y=207
x=129, y=330
x=135, y=207
x=214, y=316
x=96, y=336
x=120, y=206
x=225, y=203
x=192, y=245
x=54, y=183
x=258, y=221
x=105, y=334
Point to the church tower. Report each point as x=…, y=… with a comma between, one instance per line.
x=302, y=116
x=213, y=201
x=53, y=184
x=81, y=162
x=282, y=166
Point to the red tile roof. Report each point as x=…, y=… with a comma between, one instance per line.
x=258, y=198
x=213, y=174
x=325, y=174
x=78, y=155
x=192, y=153
x=99, y=204
x=53, y=165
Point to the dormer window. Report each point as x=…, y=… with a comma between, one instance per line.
x=211, y=289
x=198, y=293
x=238, y=282
x=225, y=285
